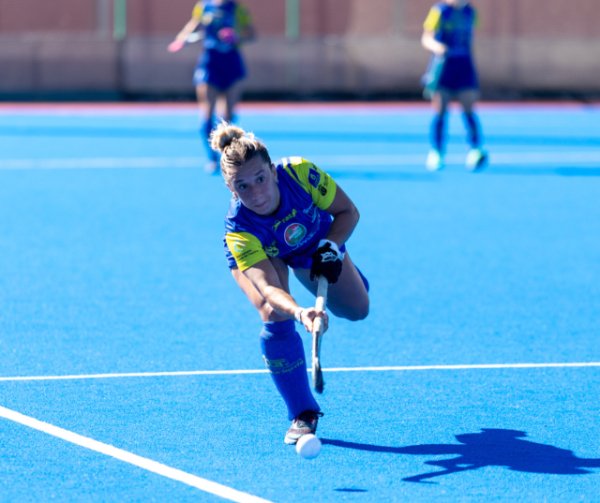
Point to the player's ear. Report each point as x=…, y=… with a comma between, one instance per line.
x=274, y=171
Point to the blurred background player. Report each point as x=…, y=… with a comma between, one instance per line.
x=222, y=25
x=289, y=215
x=448, y=34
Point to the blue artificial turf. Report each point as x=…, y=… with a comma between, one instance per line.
x=111, y=262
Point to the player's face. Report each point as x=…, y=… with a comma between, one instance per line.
x=255, y=184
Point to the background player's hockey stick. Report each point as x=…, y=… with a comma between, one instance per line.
x=431, y=79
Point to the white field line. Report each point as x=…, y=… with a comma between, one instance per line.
x=188, y=479
x=392, y=368
x=133, y=374
x=547, y=157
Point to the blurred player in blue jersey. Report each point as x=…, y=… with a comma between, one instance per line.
x=448, y=33
x=284, y=216
x=222, y=25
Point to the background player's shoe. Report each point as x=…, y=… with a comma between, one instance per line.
x=476, y=159
x=305, y=423
x=434, y=161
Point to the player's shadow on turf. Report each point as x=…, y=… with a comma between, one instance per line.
x=491, y=447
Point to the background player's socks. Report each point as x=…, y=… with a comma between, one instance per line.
x=473, y=132
x=477, y=158
x=284, y=355
x=213, y=157
x=205, y=130
x=438, y=125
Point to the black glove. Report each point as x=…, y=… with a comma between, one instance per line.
x=327, y=261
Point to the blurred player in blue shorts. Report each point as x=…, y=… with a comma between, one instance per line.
x=282, y=216
x=222, y=25
x=448, y=33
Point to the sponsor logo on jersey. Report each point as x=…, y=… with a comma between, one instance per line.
x=288, y=217
x=238, y=247
x=314, y=177
x=272, y=250
x=294, y=234
x=240, y=257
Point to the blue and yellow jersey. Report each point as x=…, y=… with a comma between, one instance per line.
x=452, y=26
x=213, y=16
x=294, y=230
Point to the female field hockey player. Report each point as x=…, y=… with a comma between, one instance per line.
x=282, y=216
x=448, y=33
x=223, y=25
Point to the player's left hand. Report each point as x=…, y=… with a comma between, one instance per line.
x=176, y=46
x=308, y=315
x=327, y=261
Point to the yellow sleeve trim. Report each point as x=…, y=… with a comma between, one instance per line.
x=246, y=249
x=314, y=180
x=198, y=10
x=432, y=22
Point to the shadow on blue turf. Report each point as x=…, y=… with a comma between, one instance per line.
x=491, y=447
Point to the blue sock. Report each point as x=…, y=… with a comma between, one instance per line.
x=473, y=130
x=284, y=355
x=438, y=125
x=207, y=127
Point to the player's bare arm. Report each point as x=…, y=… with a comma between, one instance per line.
x=429, y=42
x=266, y=280
x=345, y=217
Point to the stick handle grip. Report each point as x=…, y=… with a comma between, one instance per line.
x=320, y=303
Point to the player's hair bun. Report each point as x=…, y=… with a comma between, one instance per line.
x=224, y=135
x=236, y=147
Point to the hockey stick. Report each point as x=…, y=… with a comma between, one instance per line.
x=317, y=373
x=431, y=79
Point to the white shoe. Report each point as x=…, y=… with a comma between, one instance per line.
x=434, y=161
x=304, y=424
x=476, y=159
